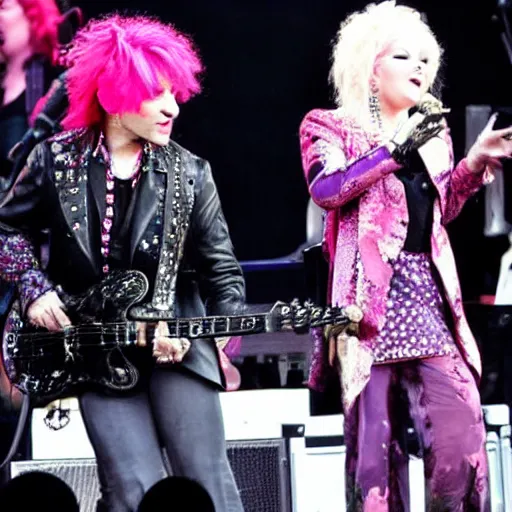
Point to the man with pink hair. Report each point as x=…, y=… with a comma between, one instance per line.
x=116, y=194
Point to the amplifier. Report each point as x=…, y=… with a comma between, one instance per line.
x=260, y=468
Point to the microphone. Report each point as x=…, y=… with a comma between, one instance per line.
x=53, y=111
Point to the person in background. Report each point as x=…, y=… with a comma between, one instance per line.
x=29, y=52
x=31, y=57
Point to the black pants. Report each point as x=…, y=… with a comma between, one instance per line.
x=176, y=411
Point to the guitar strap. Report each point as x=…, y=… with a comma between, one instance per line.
x=179, y=201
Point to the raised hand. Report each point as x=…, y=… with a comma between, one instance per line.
x=489, y=147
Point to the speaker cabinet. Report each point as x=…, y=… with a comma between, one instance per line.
x=79, y=474
x=260, y=468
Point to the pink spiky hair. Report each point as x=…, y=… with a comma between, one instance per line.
x=118, y=62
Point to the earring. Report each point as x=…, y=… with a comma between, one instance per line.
x=374, y=105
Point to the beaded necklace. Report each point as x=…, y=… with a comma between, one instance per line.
x=106, y=225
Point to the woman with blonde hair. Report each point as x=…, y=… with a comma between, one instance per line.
x=381, y=164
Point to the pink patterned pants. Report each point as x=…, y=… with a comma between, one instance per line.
x=444, y=405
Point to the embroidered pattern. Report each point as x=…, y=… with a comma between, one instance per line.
x=17, y=255
x=415, y=324
x=372, y=225
x=32, y=285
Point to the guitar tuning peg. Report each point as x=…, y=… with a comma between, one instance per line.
x=315, y=312
x=328, y=312
x=285, y=313
x=284, y=309
x=295, y=303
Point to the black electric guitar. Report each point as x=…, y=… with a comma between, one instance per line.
x=49, y=365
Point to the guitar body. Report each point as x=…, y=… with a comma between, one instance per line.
x=92, y=351
x=53, y=365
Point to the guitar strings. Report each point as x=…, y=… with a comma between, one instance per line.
x=181, y=333
x=109, y=330
x=112, y=330
x=175, y=326
x=35, y=344
x=184, y=331
x=47, y=339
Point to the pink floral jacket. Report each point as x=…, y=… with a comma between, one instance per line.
x=352, y=176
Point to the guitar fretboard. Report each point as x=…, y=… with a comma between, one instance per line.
x=123, y=333
x=219, y=326
x=191, y=328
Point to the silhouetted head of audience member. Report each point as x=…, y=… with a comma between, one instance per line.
x=37, y=490
x=185, y=495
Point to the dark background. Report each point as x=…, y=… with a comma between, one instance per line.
x=267, y=64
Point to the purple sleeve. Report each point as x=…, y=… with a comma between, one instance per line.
x=334, y=188
x=17, y=255
x=32, y=285
x=19, y=264
x=339, y=160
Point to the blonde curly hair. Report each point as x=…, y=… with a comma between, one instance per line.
x=361, y=39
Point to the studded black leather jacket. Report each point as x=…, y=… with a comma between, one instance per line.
x=63, y=189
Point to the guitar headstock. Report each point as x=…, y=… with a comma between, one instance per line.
x=300, y=317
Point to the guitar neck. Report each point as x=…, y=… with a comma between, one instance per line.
x=216, y=326
x=190, y=328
